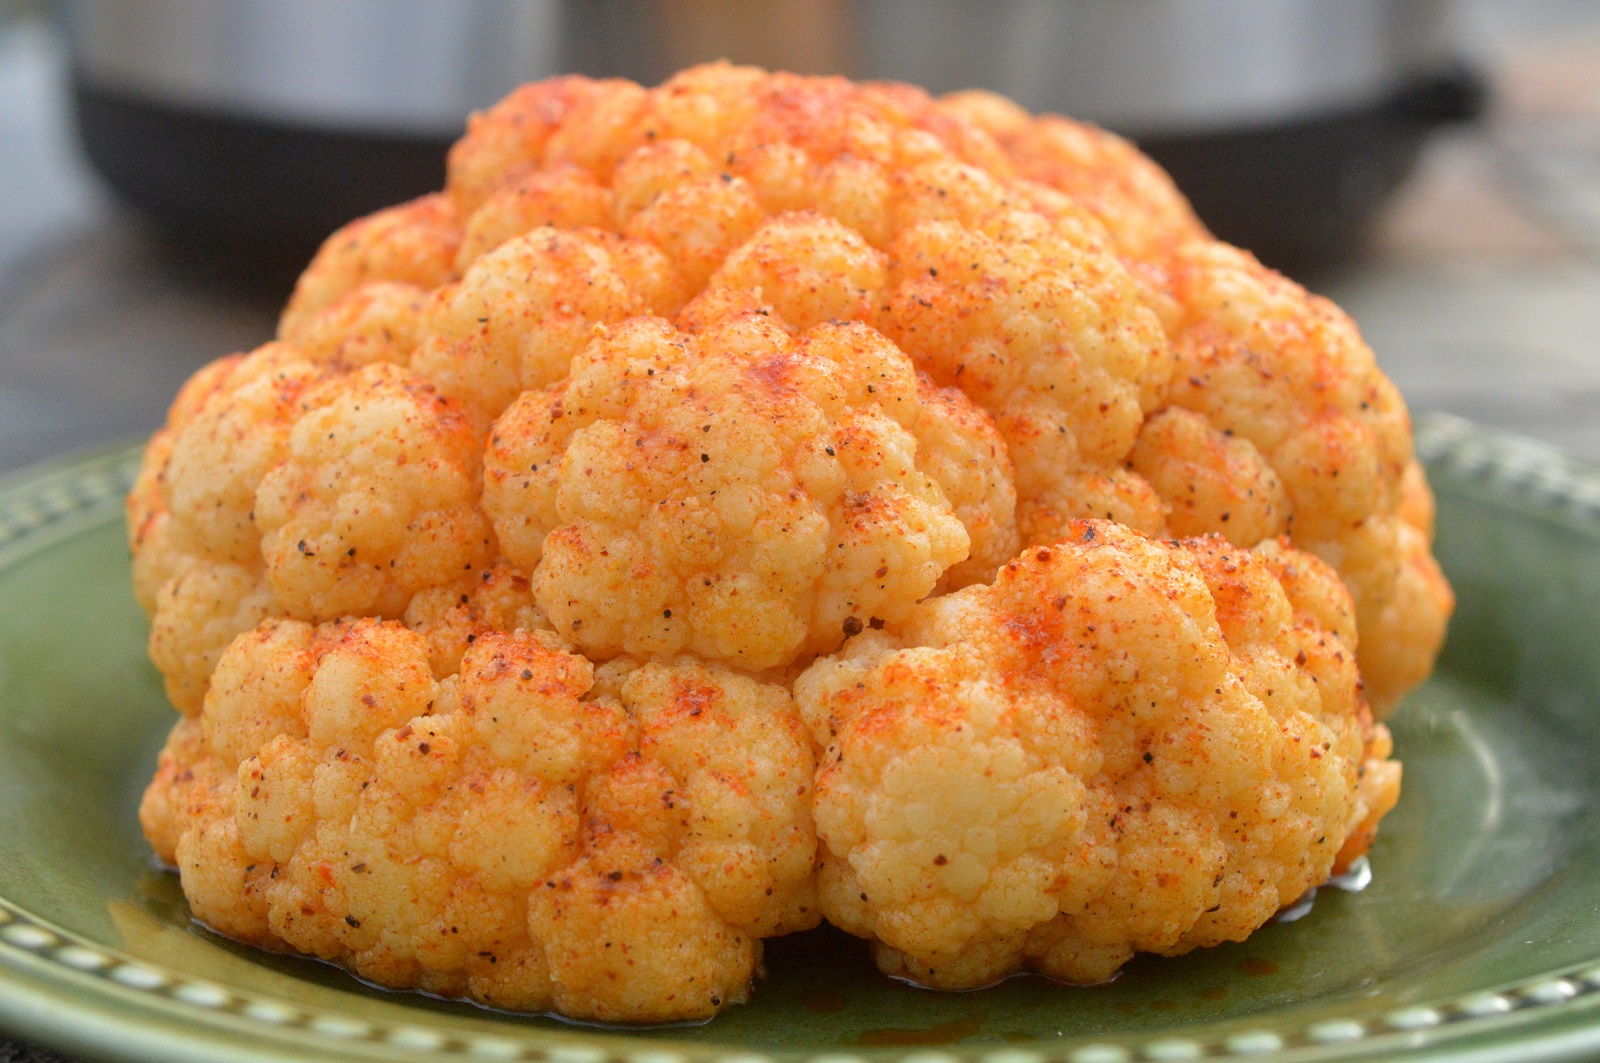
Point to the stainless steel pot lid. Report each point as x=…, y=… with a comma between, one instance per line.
x=417, y=66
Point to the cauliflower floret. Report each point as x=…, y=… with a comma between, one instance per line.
x=283, y=489
x=376, y=322
x=1121, y=745
x=501, y=835
x=197, y=613
x=1287, y=373
x=698, y=223
x=1048, y=336
x=152, y=538
x=507, y=141
x=375, y=499
x=960, y=449
x=1132, y=197
x=453, y=615
x=809, y=268
x=156, y=559
x=1209, y=480
x=523, y=311
x=221, y=452
x=414, y=243
x=562, y=197
x=739, y=494
x=198, y=569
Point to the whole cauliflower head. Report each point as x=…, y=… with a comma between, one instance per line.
x=513, y=833
x=686, y=388
x=1122, y=745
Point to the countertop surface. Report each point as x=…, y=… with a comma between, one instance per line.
x=1479, y=289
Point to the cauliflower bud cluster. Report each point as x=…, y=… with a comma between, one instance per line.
x=762, y=499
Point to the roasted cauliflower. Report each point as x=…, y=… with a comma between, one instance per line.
x=1122, y=744
x=508, y=833
x=741, y=495
x=764, y=498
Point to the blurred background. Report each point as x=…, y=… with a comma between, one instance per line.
x=166, y=166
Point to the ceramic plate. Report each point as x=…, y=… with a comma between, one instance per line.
x=1478, y=936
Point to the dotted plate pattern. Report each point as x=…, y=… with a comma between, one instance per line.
x=40, y=507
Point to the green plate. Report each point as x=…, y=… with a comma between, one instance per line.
x=1478, y=937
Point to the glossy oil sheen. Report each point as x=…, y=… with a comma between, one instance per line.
x=1484, y=876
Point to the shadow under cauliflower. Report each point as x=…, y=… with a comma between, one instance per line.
x=488, y=588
